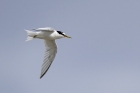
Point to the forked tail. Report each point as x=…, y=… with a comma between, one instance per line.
x=31, y=35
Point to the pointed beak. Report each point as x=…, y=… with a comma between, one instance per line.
x=67, y=36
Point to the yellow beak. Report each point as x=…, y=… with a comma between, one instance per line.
x=67, y=36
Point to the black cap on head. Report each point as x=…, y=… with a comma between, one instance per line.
x=60, y=32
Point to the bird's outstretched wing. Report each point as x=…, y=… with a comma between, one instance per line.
x=51, y=50
x=44, y=29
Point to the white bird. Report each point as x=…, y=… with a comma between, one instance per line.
x=49, y=35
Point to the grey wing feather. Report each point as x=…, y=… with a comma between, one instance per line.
x=50, y=53
x=44, y=29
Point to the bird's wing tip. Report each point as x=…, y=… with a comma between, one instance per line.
x=41, y=77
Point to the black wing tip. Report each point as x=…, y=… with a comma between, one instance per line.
x=42, y=75
x=45, y=71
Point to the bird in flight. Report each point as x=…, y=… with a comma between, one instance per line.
x=49, y=35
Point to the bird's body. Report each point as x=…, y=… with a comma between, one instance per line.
x=49, y=35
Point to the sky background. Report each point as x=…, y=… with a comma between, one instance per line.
x=103, y=55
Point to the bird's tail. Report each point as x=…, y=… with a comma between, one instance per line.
x=31, y=35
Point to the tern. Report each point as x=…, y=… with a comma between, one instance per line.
x=49, y=35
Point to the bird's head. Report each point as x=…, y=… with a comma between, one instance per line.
x=63, y=34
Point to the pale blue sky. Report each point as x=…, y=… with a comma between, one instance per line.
x=103, y=55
